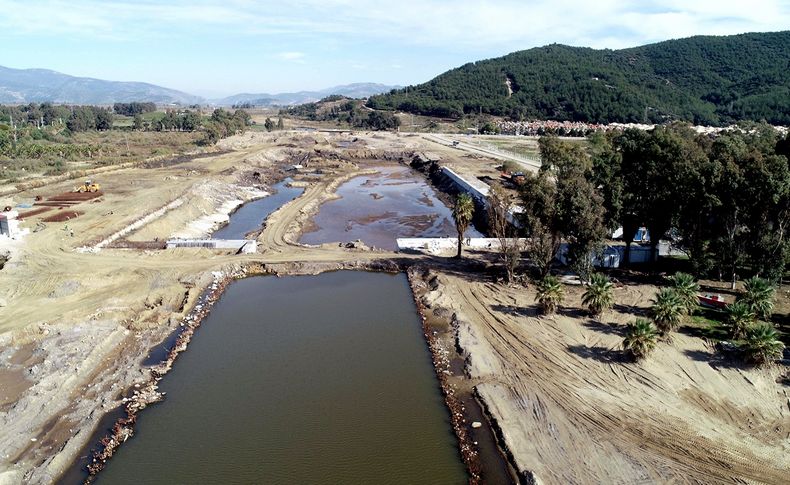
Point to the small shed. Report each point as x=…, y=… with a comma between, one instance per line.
x=9, y=225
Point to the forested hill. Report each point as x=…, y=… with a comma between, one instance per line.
x=705, y=80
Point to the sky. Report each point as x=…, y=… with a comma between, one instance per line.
x=215, y=48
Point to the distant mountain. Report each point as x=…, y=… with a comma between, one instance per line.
x=357, y=90
x=42, y=85
x=705, y=79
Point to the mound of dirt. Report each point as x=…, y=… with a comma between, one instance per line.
x=62, y=216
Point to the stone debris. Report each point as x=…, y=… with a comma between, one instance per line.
x=147, y=393
x=441, y=364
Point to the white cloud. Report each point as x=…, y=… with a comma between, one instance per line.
x=459, y=24
x=291, y=56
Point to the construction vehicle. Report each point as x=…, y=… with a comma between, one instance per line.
x=88, y=186
x=516, y=178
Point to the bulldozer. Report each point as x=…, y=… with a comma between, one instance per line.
x=88, y=186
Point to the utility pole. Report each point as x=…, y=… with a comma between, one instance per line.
x=13, y=127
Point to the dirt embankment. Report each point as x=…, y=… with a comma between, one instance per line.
x=572, y=410
x=284, y=226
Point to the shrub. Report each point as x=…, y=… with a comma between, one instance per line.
x=550, y=294
x=762, y=344
x=666, y=310
x=640, y=338
x=759, y=296
x=687, y=289
x=599, y=295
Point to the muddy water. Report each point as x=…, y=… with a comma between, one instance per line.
x=309, y=379
x=396, y=202
x=251, y=215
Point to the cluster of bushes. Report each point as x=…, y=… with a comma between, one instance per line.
x=86, y=118
x=270, y=125
x=223, y=124
x=349, y=112
x=174, y=121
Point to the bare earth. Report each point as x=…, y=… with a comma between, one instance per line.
x=572, y=410
x=78, y=315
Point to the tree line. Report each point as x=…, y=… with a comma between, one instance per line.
x=133, y=108
x=723, y=200
x=75, y=118
x=223, y=123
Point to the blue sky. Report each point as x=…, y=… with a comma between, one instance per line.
x=216, y=48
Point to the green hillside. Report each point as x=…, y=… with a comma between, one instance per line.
x=705, y=80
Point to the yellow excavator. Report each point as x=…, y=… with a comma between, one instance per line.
x=88, y=186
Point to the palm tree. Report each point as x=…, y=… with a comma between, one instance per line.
x=667, y=310
x=599, y=295
x=640, y=338
x=739, y=318
x=759, y=296
x=762, y=344
x=687, y=289
x=550, y=294
x=462, y=213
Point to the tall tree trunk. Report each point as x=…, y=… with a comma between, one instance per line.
x=460, y=242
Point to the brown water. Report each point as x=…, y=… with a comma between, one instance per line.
x=396, y=202
x=299, y=380
x=251, y=215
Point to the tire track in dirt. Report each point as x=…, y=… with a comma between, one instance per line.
x=609, y=421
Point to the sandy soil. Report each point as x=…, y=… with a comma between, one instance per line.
x=77, y=318
x=572, y=410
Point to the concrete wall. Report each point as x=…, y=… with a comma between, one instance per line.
x=612, y=255
x=478, y=189
x=436, y=244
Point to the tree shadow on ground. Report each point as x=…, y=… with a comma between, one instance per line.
x=631, y=310
x=571, y=312
x=729, y=360
x=607, y=328
x=698, y=355
x=711, y=332
x=529, y=311
x=599, y=353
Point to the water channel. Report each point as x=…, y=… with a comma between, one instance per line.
x=395, y=202
x=251, y=215
x=305, y=379
x=309, y=379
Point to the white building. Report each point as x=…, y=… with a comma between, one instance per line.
x=9, y=225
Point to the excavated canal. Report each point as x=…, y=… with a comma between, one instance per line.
x=301, y=379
